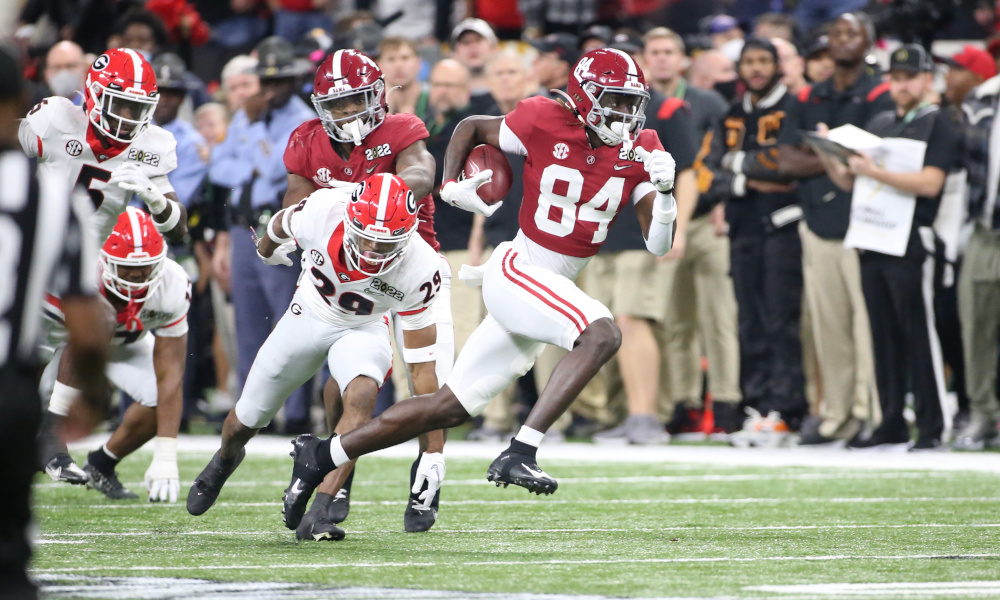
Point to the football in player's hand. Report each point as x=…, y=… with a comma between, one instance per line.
x=485, y=157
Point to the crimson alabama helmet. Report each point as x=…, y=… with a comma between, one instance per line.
x=609, y=93
x=380, y=220
x=349, y=80
x=133, y=256
x=121, y=94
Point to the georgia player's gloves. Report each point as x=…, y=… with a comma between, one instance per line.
x=431, y=469
x=130, y=178
x=660, y=166
x=462, y=194
x=162, y=478
x=280, y=255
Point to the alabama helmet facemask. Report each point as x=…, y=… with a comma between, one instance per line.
x=609, y=94
x=121, y=94
x=346, y=79
x=379, y=221
x=133, y=243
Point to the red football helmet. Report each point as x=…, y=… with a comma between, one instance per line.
x=379, y=221
x=609, y=93
x=133, y=256
x=121, y=94
x=349, y=95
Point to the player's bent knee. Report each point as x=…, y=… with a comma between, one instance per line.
x=604, y=336
x=448, y=409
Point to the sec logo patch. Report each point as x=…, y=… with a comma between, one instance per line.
x=317, y=257
x=74, y=148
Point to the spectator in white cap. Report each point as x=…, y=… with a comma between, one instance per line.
x=473, y=43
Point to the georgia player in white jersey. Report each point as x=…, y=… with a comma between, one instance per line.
x=149, y=292
x=351, y=139
x=583, y=158
x=108, y=145
x=362, y=260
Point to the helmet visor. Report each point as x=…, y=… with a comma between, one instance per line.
x=349, y=115
x=132, y=278
x=125, y=116
x=625, y=106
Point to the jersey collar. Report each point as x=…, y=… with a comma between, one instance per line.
x=100, y=152
x=335, y=248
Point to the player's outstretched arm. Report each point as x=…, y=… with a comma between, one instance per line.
x=415, y=166
x=420, y=357
x=178, y=233
x=275, y=242
x=162, y=477
x=471, y=132
x=298, y=189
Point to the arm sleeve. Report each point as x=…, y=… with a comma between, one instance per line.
x=178, y=323
x=945, y=146
x=763, y=165
x=30, y=142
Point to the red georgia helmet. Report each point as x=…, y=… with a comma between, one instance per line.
x=134, y=243
x=348, y=79
x=121, y=94
x=608, y=91
x=379, y=220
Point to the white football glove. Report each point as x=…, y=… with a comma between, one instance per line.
x=130, y=178
x=660, y=166
x=462, y=194
x=431, y=469
x=162, y=478
x=280, y=255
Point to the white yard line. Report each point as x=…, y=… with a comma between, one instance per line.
x=641, y=479
x=508, y=532
x=527, y=501
x=578, y=452
x=964, y=589
x=534, y=563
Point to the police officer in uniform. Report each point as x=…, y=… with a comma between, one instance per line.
x=250, y=162
x=899, y=289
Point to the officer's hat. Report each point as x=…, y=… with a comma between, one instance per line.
x=170, y=70
x=276, y=59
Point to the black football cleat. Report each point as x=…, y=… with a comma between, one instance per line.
x=107, y=484
x=317, y=527
x=418, y=517
x=62, y=467
x=340, y=507
x=205, y=490
x=520, y=469
x=306, y=476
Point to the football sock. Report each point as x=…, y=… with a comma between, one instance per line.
x=321, y=504
x=103, y=460
x=331, y=454
x=350, y=480
x=529, y=436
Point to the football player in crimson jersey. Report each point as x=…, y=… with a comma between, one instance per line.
x=363, y=260
x=353, y=138
x=148, y=292
x=584, y=157
x=108, y=145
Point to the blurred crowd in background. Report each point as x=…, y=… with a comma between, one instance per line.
x=685, y=367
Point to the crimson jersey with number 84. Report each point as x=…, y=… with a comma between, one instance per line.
x=572, y=192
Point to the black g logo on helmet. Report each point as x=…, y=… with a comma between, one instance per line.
x=411, y=203
x=102, y=62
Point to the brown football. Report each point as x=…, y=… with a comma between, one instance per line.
x=485, y=157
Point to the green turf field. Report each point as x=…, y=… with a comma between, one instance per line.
x=612, y=529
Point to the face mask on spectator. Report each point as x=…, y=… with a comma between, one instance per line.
x=66, y=82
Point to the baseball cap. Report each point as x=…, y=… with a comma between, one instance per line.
x=563, y=44
x=475, y=25
x=721, y=24
x=169, y=70
x=596, y=32
x=911, y=57
x=276, y=59
x=626, y=42
x=973, y=59
x=822, y=44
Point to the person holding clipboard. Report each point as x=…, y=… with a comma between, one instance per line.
x=896, y=194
